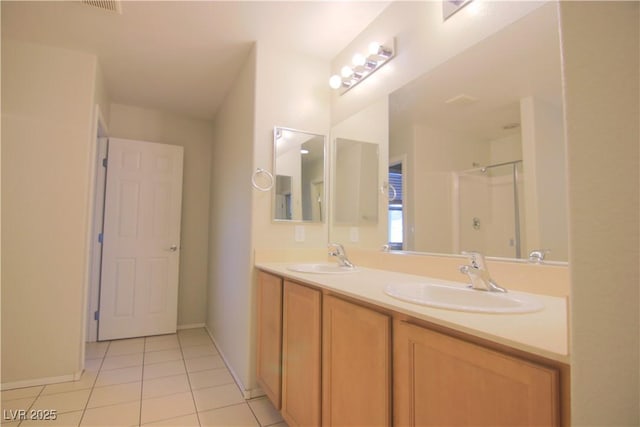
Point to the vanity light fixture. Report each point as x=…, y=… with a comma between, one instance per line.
x=362, y=66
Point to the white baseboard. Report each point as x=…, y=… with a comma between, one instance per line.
x=191, y=326
x=41, y=381
x=246, y=393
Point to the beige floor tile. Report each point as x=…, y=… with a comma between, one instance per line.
x=123, y=361
x=163, y=344
x=282, y=424
x=190, y=420
x=217, y=397
x=192, y=332
x=128, y=346
x=164, y=386
x=210, y=378
x=162, y=356
x=199, y=351
x=114, y=394
x=14, y=405
x=164, y=369
x=230, y=416
x=63, y=402
x=19, y=393
x=121, y=415
x=204, y=363
x=61, y=420
x=87, y=380
x=163, y=408
x=95, y=350
x=161, y=338
x=119, y=376
x=195, y=340
x=265, y=412
x=92, y=365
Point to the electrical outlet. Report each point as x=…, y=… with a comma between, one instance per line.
x=354, y=234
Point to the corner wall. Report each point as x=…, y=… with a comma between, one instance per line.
x=601, y=68
x=47, y=106
x=229, y=298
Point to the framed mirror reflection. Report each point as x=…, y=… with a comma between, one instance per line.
x=299, y=175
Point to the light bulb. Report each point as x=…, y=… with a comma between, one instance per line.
x=359, y=60
x=335, y=81
x=374, y=48
x=346, y=71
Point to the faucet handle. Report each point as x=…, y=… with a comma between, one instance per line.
x=335, y=249
x=476, y=259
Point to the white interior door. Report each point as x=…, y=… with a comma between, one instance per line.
x=141, y=240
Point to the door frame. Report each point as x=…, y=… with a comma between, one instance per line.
x=96, y=220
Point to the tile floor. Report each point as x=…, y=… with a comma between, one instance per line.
x=175, y=380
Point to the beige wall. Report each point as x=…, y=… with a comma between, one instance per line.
x=275, y=88
x=196, y=137
x=229, y=299
x=47, y=105
x=602, y=110
x=292, y=92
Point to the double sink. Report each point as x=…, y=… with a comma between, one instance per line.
x=457, y=296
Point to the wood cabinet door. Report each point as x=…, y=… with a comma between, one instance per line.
x=269, y=357
x=356, y=365
x=441, y=380
x=301, y=355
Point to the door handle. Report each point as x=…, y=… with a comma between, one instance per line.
x=173, y=248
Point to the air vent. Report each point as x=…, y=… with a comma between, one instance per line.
x=461, y=99
x=108, y=5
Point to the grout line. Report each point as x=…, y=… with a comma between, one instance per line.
x=144, y=348
x=254, y=414
x=95, y=380
x=193, y=398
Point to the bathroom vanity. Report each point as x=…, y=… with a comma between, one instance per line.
x=334, y=349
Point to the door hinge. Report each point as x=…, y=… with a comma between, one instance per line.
x=100, y=238
x=96, y=315
x=104, y=162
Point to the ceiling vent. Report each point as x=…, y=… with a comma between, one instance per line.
x=108, y=5
x=462, y=99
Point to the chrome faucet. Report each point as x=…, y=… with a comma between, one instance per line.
x=536, y=256
x=478, y=273
x=337, y=250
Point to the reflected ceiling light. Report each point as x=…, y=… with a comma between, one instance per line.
x=304, y=151
x=363, y=66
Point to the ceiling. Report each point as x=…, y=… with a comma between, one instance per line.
x=182, y=56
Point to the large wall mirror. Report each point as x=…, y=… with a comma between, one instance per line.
x=476, y=149
x=299, y=176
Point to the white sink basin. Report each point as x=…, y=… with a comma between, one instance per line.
x=321, y=268
x=463, y=298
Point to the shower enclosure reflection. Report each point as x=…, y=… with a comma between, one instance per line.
x=488, y=207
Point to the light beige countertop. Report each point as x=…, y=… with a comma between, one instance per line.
x=543, y=333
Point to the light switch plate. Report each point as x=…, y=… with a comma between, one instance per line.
x=299, y=233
